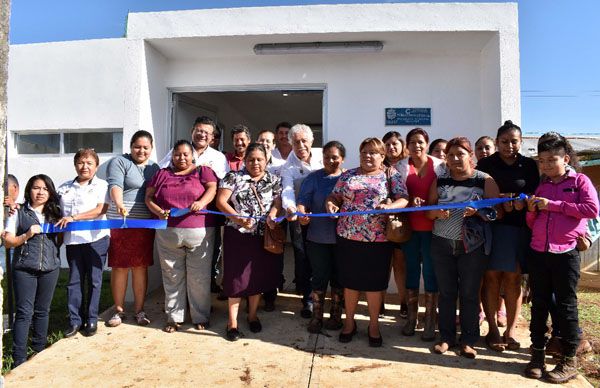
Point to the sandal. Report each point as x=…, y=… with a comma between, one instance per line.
x=171, y=327
x=511, y=343
x=202, y=325
x=142, y=319
x=116, y=319
x=495, y=344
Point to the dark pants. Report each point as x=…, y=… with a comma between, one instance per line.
x=271, y=295
x=302, y=269
x=86, y=263
x=322, y=262
x=215, y=267
x=558, y=274
x=417, y=252
x=33, y=296
x=458, y=274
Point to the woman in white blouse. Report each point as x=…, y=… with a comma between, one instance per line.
x=84, y=198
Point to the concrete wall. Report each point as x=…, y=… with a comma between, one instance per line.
x=355, y=98
x=63, y=85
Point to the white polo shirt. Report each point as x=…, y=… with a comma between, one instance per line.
x=75, y=199
x=210, y=157
x=293, y=173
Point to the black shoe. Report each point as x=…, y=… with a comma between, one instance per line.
x=90, y=329
x=269, y=306
x=255, y=326
x=403, y=310
x=71, y=331
x=347, y=337
x=375, y=342
x=233, y=334
x=307, y=310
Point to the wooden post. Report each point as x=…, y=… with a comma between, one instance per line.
x=4, y=28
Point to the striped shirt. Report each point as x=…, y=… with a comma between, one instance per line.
x=452, y=191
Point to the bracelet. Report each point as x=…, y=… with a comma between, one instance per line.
x=73, y=218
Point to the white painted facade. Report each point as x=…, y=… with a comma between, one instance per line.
x=461, y=60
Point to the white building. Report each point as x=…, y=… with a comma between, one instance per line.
x=460, y=60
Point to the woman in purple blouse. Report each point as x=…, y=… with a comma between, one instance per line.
x=185, y=247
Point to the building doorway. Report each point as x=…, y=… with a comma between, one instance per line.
x=257, y=110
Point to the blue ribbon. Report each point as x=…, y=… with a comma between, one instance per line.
x=106, y=224
x=482, y=203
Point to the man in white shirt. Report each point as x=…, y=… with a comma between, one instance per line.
x=204, y=155
x=267, y=139
x=284, y=148
x=302, y=161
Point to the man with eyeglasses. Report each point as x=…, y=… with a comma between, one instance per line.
x=204, y=155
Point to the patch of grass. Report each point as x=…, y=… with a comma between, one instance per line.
x=589, y=320
x=59, y=318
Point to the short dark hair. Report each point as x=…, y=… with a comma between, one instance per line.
x=139, y=134
x=217, y=132
x=415, y=132
x=254, y=147
x=555, y=142
x=240, y=128
x=508, y=126
x=335, y=144
x=204, y=120
x=283, y=124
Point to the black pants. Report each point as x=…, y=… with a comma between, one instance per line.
x=458, y=274
x=33, y=296
x=323, y=264
x=302, y=268
x=558, y=274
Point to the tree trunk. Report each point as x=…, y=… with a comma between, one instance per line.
x=4, y=28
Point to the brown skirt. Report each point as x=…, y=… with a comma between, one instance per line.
x=131, y=248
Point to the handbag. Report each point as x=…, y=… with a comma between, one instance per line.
x=397, y=228
x=274, y=239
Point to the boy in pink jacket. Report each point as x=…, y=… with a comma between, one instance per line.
x=557, y=215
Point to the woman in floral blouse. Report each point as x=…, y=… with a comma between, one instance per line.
x=249, y=269
x=363, y=253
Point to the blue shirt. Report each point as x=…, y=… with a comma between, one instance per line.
x=313, y=192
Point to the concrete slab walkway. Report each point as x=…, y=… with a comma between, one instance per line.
x=283, y=355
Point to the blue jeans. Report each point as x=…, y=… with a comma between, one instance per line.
x=33, y=296
x=86, y=263
x=458, y=275
x=416, y=249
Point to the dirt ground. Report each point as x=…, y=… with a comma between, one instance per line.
x=284, y=354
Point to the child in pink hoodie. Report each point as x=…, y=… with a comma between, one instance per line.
x=557, y=215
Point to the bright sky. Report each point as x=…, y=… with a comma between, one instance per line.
x=559, y=39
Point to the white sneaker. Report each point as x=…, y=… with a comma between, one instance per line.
x=116, y=319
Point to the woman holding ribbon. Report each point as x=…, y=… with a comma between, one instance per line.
x=185, y=247
x=457, y=244
x=252, y=198
x=36, y=264
x=84, y=198
x=130, y=249
x=421, y=175
x=320, y=237
x=363, y=254
x=514, y=174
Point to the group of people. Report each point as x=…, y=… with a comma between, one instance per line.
x=475, y=256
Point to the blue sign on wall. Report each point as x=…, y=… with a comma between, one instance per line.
x=407, y=116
